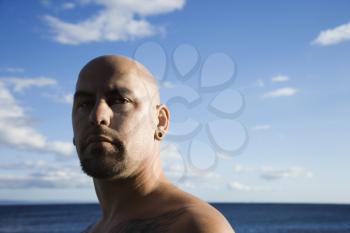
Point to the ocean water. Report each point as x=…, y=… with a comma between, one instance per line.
x=245, y=218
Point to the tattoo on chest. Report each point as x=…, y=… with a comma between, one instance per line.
x=158, y=224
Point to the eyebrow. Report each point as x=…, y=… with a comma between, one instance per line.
x=120, y=91
x=116, y=91
x=78, y=94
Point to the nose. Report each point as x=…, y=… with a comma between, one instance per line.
x=101, y=114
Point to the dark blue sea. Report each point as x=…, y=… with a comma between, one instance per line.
x=245, y=218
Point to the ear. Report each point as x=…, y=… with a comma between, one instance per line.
x=74, y=141
x=163, y=118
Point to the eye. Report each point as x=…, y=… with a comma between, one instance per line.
x=118, y=100
x=84, y=104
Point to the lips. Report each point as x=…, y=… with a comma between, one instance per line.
x=98, y=139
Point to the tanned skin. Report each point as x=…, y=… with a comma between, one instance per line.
x=117, y=118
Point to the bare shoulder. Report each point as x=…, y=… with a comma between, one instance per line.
x=197, y=215
x=202, y=218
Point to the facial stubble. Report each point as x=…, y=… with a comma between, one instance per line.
x=103, y=162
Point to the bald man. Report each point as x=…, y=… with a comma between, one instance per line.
x=118, y=124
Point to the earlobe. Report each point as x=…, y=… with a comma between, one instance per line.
x=159, y=134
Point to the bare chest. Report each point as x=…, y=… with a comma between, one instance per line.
x=164, y=223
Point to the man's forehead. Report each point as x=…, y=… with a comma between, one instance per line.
x=106, y=73
x=105, y=84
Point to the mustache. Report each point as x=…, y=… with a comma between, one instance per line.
x=102, y=132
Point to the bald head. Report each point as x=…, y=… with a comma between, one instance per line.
x=120, y=66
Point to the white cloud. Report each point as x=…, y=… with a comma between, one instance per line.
x=209, y=180
x=19, y=84
x=68, y=6
x=280, y=78
x=260, y=83
x=173, y=163
x=59, y=147
x=12, y=69
x=61, y=98
x=176, y=169
x=170, y=152
x=67, y=98
x=237, y=186
x=8, y=105
x=261, y=127
x=269, y=173
x=16, y=132
x=44, y=174
x=239, y=168
x=20, y=136
x=333, y=36
x=119, y=20
x=55, y=178
x=45, y=3
x=286, y=91
x=167, y=84
x=23, y=165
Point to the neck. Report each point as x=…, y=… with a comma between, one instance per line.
x=122, y=198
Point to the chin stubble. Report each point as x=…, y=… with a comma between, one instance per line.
x=103, y=164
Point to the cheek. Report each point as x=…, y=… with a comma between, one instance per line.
x=79, y=127
x=75, y=129
x=136, y=127
x=145, y=131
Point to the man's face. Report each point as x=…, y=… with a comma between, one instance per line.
x=113, y=120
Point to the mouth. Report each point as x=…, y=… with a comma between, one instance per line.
x=99, y=139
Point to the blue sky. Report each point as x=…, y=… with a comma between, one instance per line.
x=259, y=94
